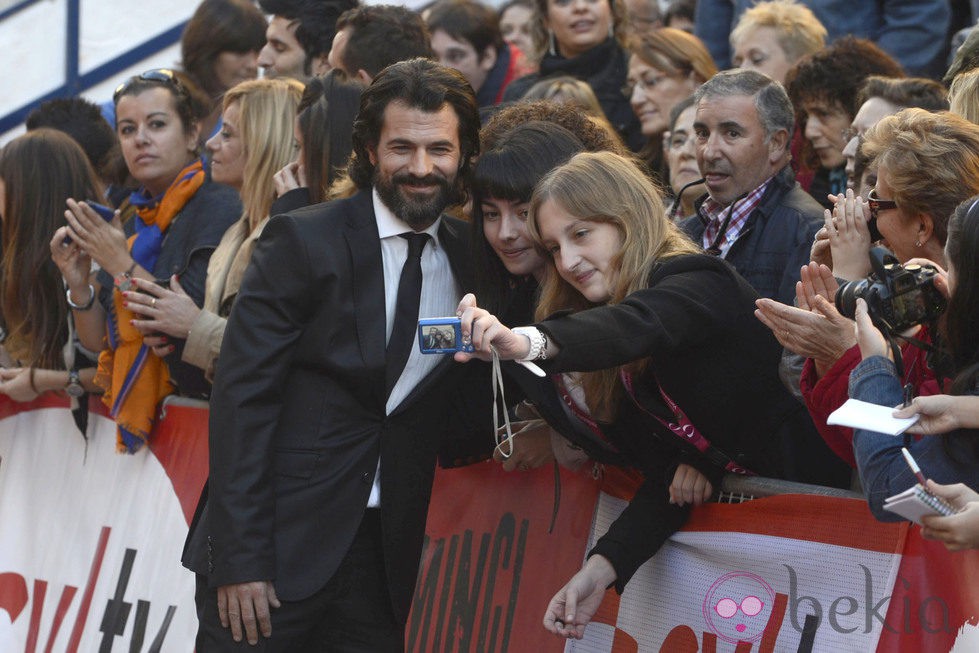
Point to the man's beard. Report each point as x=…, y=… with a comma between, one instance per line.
x=418, y=211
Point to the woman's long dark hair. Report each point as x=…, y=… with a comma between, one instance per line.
x=40, y=170
x=962, y=316
x=509, y=171
x=326, y=116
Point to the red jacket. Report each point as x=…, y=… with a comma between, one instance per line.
x=825, y=395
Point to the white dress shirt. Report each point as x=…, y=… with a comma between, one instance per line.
x=440, y=297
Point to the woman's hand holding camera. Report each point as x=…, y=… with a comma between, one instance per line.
x=165, y=312
x=485, y=332
x=869, y=337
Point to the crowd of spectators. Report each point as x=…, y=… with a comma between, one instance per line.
x=664, y=234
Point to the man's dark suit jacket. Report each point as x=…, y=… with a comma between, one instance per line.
x=298, y=412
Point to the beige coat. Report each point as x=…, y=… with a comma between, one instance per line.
x=224, y=275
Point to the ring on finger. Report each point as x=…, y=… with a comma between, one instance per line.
x=153, y=302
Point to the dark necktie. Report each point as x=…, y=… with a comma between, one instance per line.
x=406, y=311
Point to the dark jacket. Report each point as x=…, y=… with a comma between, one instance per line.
x=192, y=237
x=695, y=327
x=298, y=416
x=509, y=65
x=604, y=68
x=775, y=241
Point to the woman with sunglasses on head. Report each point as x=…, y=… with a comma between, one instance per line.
x=255, y=141
x=181, y=217
x=927, y=163
x=655, y=352
x=40, y=352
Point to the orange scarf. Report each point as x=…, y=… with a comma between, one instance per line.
x=134, y=379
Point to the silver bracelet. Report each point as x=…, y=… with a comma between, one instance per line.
x=81, y=307
x=538, y=343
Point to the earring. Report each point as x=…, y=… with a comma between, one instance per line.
x=550, y=39
x=917, y=243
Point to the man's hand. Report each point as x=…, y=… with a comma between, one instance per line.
x=247, y=604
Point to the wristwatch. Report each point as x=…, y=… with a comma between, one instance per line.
x=74, y=387
x=124, y=282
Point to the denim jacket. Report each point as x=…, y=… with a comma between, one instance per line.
x=883, y=470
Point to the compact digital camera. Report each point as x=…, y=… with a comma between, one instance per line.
x=441, y=335
x=898, y=297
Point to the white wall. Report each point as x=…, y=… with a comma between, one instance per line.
x=33, y=52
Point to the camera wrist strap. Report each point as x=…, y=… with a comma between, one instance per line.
x=500, y=406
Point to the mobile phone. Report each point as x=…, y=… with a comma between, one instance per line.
x=104, y=211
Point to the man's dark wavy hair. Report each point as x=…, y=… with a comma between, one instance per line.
x=420, y=84
x=380, y=35
x=316, y=22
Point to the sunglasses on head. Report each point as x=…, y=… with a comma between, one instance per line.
x=163, y=75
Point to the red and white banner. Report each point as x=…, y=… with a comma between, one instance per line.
x=90, y=542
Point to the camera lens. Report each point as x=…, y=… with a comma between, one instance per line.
x=846, y=297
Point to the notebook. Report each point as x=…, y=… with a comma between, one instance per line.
x=870, y=417
x=916, y=502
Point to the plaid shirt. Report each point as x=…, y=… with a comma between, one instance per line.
x=715, y=214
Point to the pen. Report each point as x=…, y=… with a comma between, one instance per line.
x=914, y=466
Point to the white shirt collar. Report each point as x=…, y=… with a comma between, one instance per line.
x=389, y=225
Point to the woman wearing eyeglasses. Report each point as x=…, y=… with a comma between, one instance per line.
x=665, y=66
x=181, y=216
x=927, y=164
x=681, y=160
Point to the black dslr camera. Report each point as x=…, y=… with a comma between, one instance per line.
x=898, y=297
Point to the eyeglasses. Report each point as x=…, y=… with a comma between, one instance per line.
x=164, y=75
x=679, y=140
x=644, y=84
x=877, y=205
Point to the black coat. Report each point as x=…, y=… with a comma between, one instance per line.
x=298, y=416
x=695, y=326
x=604, y=68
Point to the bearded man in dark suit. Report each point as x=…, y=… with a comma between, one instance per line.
x=326, y=420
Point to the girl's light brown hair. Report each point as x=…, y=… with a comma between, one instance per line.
x=607, y=188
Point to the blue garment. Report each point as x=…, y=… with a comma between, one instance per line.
x=883, y=470
x=776, y=239
x=912, y=31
